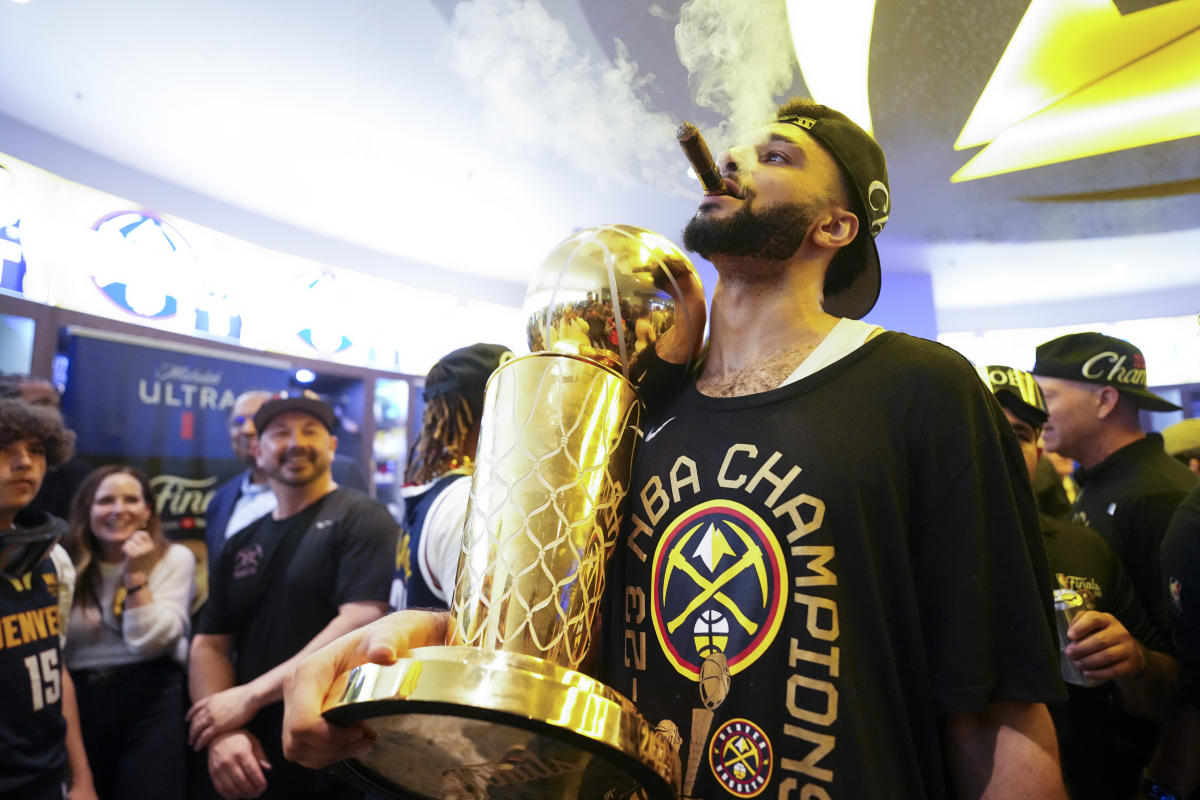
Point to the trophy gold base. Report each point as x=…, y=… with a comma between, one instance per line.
x=462, y=722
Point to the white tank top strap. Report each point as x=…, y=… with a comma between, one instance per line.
x=847, y=336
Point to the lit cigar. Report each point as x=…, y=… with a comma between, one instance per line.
x=702, y=161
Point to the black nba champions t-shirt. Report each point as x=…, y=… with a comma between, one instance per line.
x=808, y=577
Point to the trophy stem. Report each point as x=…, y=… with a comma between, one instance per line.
x=551, y=470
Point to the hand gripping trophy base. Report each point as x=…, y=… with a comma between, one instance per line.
x=500, y=710
x=460, y=722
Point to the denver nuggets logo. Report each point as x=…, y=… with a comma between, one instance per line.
x=718, y=583
x=740, y=757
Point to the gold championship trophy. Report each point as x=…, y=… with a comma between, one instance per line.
x=502, y=710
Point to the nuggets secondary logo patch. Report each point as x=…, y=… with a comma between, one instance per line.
x=740, y=757
x=718, y=582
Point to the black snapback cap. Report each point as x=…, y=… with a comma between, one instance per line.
x=1104, y=360
x=465, y=371
x=307, y=401
x=1017, y=391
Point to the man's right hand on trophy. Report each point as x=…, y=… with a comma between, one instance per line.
x=311, y=740
x=677, y=277
x=680, y=343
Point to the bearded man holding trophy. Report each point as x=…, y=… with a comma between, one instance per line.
x=804, y=597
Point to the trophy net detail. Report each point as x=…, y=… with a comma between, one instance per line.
x=551, y=472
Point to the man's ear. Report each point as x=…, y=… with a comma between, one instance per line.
x=836, y=229
x=1107, y=399
x=332, y=444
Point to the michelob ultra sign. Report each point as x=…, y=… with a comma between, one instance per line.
x=164, y=409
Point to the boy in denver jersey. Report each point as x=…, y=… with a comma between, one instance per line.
x=41, y=748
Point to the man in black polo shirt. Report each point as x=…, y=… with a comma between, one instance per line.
x=319, y=566
x=1180, y=767
x=1095, y=385
x=1105, y=732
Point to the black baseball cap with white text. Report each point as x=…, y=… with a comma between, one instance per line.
x=1104, y=360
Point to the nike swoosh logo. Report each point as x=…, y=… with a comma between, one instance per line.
x=651, y=434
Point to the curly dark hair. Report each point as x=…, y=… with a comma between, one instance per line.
x=445, y=427
x=19, y=421
x=10, y=385
x=454, y=389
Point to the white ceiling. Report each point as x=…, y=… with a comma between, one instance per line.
x=419, y=137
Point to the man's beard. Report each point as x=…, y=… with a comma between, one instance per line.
x=279, y=473
x=774, y=233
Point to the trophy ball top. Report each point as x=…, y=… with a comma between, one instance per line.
x=606, y=293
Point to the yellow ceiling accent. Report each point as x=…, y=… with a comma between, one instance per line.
x=1079, y=79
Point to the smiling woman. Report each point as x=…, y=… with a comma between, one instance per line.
x=128, y=636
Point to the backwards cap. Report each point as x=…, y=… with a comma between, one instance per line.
x=1018, y=392
x=1182, y=438
x=465, y=371
x=864, y=168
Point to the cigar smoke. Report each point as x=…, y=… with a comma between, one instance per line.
x=739, y=58
x=701, y=159
x=540, y=91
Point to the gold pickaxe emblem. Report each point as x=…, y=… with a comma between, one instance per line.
x=712, y=589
